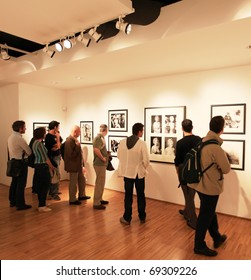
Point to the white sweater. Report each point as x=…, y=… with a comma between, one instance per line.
x=134, y=161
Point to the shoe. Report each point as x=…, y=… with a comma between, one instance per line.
x=59, y=193
x=12, y=204
x=103, y=202
x=182, y=212
x=26, y=206
x=99, y=207
x=206, y=252
x=85, y=197
x=191, y=225
x=142, y=221
x=44, y=209
x=123, y=221
x=219, y=242
x=77, y=202
x=56, y=197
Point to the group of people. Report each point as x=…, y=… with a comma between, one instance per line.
x=133, y=164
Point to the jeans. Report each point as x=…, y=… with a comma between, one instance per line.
x=141, y=201
x=207, y=220
x=17, y=187
x=53, y=190
x=43, y=180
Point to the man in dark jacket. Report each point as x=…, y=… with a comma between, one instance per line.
x=74, y=164
x=183, y=146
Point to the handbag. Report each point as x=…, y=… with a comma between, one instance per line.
x=14, y=166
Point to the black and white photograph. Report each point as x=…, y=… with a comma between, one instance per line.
x=235, y=150
x=118, y=120
x=234, y=115
x=41, y=124
x=161, y=134
x=113, y=144
x=86, y=135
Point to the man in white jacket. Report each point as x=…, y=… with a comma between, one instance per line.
x=133, y=162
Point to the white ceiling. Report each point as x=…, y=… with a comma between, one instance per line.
x=191, y=35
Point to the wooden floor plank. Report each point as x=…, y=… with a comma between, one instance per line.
x=80, y=232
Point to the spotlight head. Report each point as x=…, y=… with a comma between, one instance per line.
x=95, y=35
x=48, y=51
x=59, y=46
x=4, y=54
x=69, y=42
x=123, y=26
x=84, y=39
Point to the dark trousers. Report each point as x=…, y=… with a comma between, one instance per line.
x=141, y=201
x=17, y=187
x=207, y=220
x=43, y=180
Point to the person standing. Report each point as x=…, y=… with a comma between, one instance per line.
x=133, y=162
x=183, y=146
x=74, y=165
x=43, y=168
x=209, y=189
x=53, y=142
x=18, y=149
x=100, y=163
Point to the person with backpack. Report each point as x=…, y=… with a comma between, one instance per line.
x=209, y=188
x=183, y=146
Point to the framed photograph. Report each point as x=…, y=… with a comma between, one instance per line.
x=162, y=131
x=86, y=132
x=113, y=144
x=118, y=120
x=234, y=115
x=236, y=153
x=41, y=124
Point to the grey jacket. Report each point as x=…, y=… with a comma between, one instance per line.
x=212, y=180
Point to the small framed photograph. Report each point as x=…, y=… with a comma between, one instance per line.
x=41, y=124
x=236, y=153
x=234, y=115
x=86, y=132
x=113, y=144
x=118, y=120
x=162, y=131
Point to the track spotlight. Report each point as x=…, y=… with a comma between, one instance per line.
x=84, y=39
x=59, y=46
x=4, y=53
x=95, y=35
x=69, y=42
x=123, y=26
x=48, y=51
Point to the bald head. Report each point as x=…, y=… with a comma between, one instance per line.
x=75, y=131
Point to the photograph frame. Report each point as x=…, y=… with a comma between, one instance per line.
x=162, y=131
x=118, y=120
x=236, y=153
x=113, y=148
x=41, y=124
x=86, y=132
x=234, y=115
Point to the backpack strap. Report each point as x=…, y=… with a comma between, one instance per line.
x=210, y=141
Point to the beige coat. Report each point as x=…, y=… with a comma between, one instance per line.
x=212, y=180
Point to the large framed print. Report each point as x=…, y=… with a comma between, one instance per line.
x=236, y=153
x=162, y=131
x=234, y=115
x=41, y=124
x=86, y=132
x=118, y=120
x=113, y=143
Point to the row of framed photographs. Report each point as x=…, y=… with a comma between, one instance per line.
x=161, y=132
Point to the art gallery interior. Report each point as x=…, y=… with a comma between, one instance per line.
x=195, y=55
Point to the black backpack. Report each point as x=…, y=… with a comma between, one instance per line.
x=190, y=170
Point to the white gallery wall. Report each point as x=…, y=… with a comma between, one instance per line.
x=196, y=91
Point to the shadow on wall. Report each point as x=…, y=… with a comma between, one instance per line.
x=230, y=195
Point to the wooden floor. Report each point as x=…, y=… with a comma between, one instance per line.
x=79, y=232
